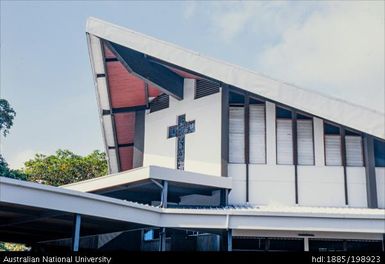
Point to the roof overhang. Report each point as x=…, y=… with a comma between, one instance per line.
x=143, y=184
x=31, y=212
x=332, y=109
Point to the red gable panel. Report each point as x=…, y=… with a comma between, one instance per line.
x=183, y=73
x=108, y=53
x=125, y=127
x=126, y=89
x=153, y=91
x=126, y=158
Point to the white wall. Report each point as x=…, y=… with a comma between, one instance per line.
x=380, y=180
x=271, y=146
x=319, y=148
x=202, y=147
x=321, y=186
x=271, y=184
x=356, y=180
x=238, y=192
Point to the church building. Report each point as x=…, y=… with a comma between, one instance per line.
x=204, y=155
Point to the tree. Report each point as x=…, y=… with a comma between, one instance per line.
x=7, y=114
x=65, y=167
x=5, y=171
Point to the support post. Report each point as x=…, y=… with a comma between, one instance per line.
x=295, y=153
x=164, y=194
x=224, y=197
x=225, y=130
x=76, y=233
x=230, y=240
x=343, y=159
x=371, y=188
x=247, y=146
x=306, y=244
x=162, y=239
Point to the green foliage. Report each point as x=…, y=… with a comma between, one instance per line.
x=5, y=171
x=13, y=247
x=65, y=167
x=7, y=114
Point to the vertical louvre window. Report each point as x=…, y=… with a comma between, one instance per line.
x=236, y=137
x=333, y=150
x=257, y=134
x=332, y=145
x=354, y=154
x=160, y=102
x=284, y=141
x=205, y=88
x=305, y=142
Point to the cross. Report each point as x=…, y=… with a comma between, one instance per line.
x=179, y=131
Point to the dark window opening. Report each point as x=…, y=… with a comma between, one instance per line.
x=236, y=99
x=283, y=113
x=379, y=153
x=331, y=130
x=160, y=102
x=205, y=88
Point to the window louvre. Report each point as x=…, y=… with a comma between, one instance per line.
x=354, y=155
x=205, y=88
x=160, y=102
x=284, y=141
x=333, y=150
x=257, y=134
x=236, y=134
x=305, y=142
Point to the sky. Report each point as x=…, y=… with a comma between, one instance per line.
x=335, y=48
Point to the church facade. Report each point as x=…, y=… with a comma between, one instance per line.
x=280, y=146
x=216, y=157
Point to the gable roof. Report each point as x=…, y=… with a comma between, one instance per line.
x=332, y=109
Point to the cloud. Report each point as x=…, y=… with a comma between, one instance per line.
x=336, y=48
x=190, y=9
x=339, y=52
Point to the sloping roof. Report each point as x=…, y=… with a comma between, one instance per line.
x=332, y=109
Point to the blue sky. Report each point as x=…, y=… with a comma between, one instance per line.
x=336, y=48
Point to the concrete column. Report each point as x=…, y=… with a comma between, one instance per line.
x=224, y=197
x=76, y=233
x=305, y=244
x=164, y=194
x=271, y=148
x=162, y=239
x=371, y=185
x=227, y=240
x=230, y=240
x=319, y=144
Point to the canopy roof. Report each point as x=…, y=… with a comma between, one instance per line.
x=38, y=208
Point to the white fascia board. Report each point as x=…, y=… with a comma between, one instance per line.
x=182, y=176
x=151, y=172
x=101, y=87
x=332, y=109
x=109, y=181
x=54, y=198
